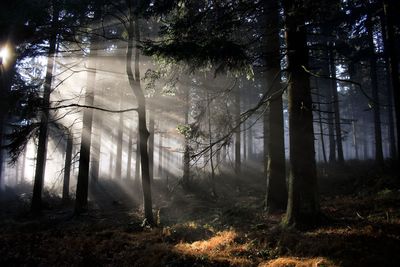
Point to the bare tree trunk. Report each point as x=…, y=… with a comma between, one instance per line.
x=134, y=82
x=23, y=165
x=336, y=108
x=244, y=139
x=118, y=166
x=151, y=146
x=330, y=110
x=303, y=203
x=160, y=155
x=321, y=128
x=82, y=186
x=211, y=154
x=355, y=143
x=96, y=144
x=36, y=205
x=130, y=150
x=110, y=166
x=237, y=138
x=186, y=153
x=276, y=193
x=375, y=95
x=389, y=88
x=393, y=63
x=137, y=161
x=67, y=167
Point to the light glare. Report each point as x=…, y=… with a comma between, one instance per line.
x=4, y=55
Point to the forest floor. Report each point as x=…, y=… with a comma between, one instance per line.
x=361, y=208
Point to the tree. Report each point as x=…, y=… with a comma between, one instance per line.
x=134, y=82
x=335, y=103
x=375, y=93
x=36, y=204
x=82, y=186
x=276, y=196
x=303, y=205
x=388, y=6
x=67, y=166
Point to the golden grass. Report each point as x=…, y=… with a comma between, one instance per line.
x=221, y=247
x=297, y=262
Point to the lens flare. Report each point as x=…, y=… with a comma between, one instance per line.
x=4, y=55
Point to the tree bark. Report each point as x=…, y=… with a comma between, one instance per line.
x=336, y=108
x=303, y=204
x=375, y=95
x=134, y=82
x=151, y=146
x=130, y=150
x=96, y=144
x=186, y=153
x=118, y=166
x=82, y=186
x=389, y=88
x=36, y=205
x=393, y=63
x=211, y=155
x=160, y=155
x=276, y=193
x=67, y=167
x=321, y=128
x=137, y=161
x=237, y=138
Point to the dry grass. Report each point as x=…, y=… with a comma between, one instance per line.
x=223, y=247
x=297, y=262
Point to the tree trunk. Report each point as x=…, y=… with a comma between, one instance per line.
x=96, y=144
x=303, y=204
x=118, y=166
x=375, y=95
x=134, y=82
x=23, y=165
x=389, y=88
x=393, y=63
x=336, y=108
x=137, y=161
x=151, y=146
x=212, y=177
x=82, y=186
x=321, y=128
x=237, y=138
x=160, y=155
x=36, y=205
x=186, y=153
x=276, y=193
x=130, y=150
x=67, y=167
x=355, y=143
x=330, y=117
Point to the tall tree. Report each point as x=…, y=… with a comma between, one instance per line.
x=134, y=82
x=82, y=186
x=303, y=204
x=375, y=93
x=120, y=136
x=388, y=6
x=67, y=167
x=276, y=196
x=36, y=205
x=237, y=137
x=186, y=153
x=335, y=103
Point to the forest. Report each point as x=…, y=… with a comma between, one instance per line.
x=199, y=133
